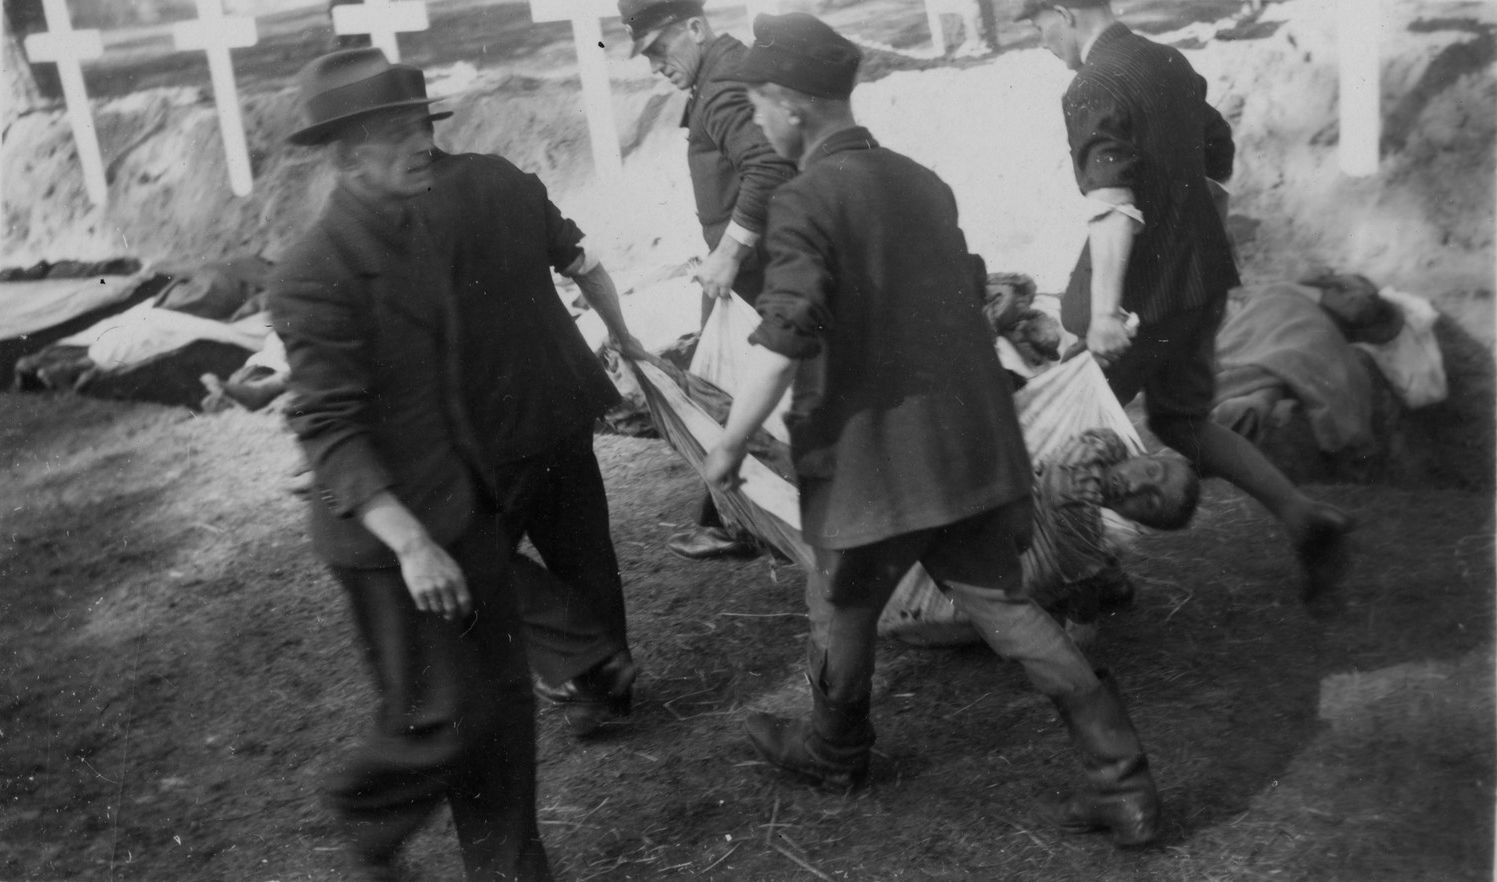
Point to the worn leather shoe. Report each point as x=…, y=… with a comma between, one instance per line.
x=596, y=697
x=702, y=543
x=794, y=746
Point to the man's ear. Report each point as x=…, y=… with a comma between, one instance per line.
x=698, y=29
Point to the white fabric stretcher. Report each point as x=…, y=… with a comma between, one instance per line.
x=1054, y=406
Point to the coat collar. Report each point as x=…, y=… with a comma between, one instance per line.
x=371, y=233
x=840, y=141
x=1113, y=32
x=712, y=68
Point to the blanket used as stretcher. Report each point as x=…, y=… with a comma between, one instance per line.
x=1054, y=407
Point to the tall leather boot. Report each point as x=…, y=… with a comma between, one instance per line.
x=831, y=748
x=1120, y=796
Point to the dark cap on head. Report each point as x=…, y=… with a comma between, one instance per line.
x=645, y=19
x=345, y=85
x=1031, y=8
x=800, y=52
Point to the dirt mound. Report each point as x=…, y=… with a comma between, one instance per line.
x=992, y=129
x=1423, y=223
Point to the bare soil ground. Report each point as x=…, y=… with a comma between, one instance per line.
x=176, y=672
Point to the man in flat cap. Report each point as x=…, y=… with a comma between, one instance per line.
x=904, y=436
x=397, y=353
x=733, y=171
x=1149, y=153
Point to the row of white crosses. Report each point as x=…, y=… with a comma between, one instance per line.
x=215, y=34
x=1359, y=24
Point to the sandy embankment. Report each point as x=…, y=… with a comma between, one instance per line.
x=1424, y=223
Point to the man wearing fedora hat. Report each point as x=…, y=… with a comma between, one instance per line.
x=1149, y=152
x=733, y=170
x=903, y=430
x=398, y=345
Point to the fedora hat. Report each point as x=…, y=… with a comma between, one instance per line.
x=347, y=84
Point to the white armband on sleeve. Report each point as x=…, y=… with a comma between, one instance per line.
x=584, y=264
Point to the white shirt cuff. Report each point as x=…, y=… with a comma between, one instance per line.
x=1098, y=209
x=741, y=235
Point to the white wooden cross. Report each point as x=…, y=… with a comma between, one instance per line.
x=382, y=20
x=215, y=34
x=66, y=48
x=592, y=69
x=1358, y=31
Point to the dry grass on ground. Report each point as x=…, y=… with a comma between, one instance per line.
x=176, y=672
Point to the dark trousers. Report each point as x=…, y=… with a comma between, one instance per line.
x=976, y=561
x=456, y=719
x=573, y=607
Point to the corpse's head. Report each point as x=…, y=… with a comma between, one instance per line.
x=1159, y=491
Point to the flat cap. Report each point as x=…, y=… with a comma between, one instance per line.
x=801, y=52
x=1031, y=8
x=645, y=19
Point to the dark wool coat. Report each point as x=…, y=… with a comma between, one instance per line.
x=429, y=349
x=733, y=168
x=364, y=308
x=1136, y=117
x=531, y=379
x=902, y=418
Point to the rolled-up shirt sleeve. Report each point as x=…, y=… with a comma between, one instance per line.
x=331, y=381
x=793, y=307
x=1101, y=139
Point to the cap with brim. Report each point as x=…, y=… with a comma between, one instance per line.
x=801, y=52
x=645, y=21
x=340, y=87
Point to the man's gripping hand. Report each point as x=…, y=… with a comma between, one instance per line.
x=717, y=272
x=720, y=471
x=629, y=347
x=1108, y=337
